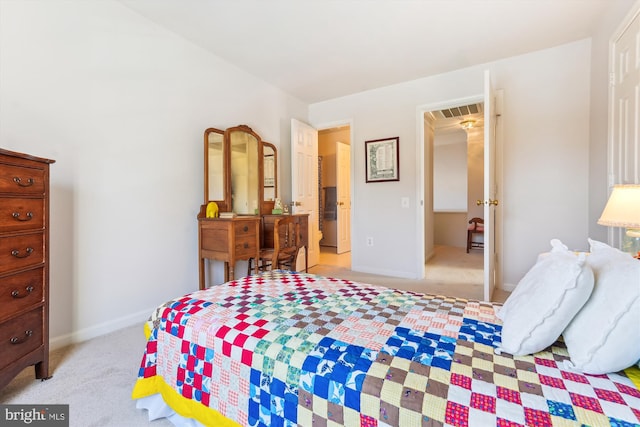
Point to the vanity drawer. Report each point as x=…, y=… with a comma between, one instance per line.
x=246, y=246
x=20, y=291
x=244, y=229
x=20, y=336
x=17, y=214
x=245, y=239
x=21, y=251
x=21, y=180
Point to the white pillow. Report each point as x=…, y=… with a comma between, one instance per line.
x=604, y=336
x=601, y=253
x=544, y=301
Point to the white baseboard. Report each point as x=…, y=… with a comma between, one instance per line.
x=383, y=272
x=509, y=287
x=101, y=329
x=430, y=255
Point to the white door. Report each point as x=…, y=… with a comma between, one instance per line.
x=343, y=179
x=624, y=106
x=304, y=183
x=490, y=189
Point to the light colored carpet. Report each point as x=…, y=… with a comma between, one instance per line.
x=451, y=272
x=96, y=377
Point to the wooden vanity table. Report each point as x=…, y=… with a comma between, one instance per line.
x=237, y=180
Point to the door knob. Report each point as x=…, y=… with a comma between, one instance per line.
x=489, y=202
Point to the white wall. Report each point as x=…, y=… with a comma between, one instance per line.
x=546, y=128
x=450, y=229
x=450, y=172
x=555, y=140
x=475, y=168
x=121, y=105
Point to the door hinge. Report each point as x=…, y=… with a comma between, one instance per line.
x=612, y=79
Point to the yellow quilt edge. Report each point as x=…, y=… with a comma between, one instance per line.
x=633, y=373
x=147, y=330
x=187, y=408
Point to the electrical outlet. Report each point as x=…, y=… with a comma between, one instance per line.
x=404, y=202
x=369, y=241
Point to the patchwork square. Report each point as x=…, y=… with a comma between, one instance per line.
x=425, y=348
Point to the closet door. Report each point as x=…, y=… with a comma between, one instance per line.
x=624, y=107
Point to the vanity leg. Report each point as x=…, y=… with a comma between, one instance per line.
x=231, y=272
x=201, y=273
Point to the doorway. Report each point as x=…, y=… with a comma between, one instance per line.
x=456, y=135
x=334, y=195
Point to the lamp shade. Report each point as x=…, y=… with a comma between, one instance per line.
x=623, y=207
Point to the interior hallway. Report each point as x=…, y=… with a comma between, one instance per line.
x=450, y=272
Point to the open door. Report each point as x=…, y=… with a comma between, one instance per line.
x=343, y=178
x=490, y=188
x=304, y=182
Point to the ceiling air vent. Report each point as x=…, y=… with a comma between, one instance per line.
x=461, y=111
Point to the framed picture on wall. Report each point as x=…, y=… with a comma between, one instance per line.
x=382, y=159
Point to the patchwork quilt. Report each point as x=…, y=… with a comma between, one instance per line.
x=287, y=349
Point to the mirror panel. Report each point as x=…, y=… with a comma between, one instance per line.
x=214, y=168
x=270, y=167
x=246, y=191
x=240, y=171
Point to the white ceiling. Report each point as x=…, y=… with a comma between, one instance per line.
x=322, y=49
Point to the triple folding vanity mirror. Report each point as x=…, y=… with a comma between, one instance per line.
x=240, y=176
x=240, y=171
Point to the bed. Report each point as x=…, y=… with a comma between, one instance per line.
x=284, y=348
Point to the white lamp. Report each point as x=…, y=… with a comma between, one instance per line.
x=623, y=210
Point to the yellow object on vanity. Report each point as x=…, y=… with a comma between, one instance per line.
x=212, y=210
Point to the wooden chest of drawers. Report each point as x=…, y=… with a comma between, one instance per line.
x=24, y=265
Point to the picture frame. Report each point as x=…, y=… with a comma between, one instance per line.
x=382, y=158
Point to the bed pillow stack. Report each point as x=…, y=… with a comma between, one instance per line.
x=592, y=300
x=545, y=301
x=604, y=336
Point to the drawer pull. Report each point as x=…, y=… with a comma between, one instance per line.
x=16, y=293
x=28, y=217
x=246, y=245
x=16, y=340
x=16, y=253
x=245, y=228
x=29, y=182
